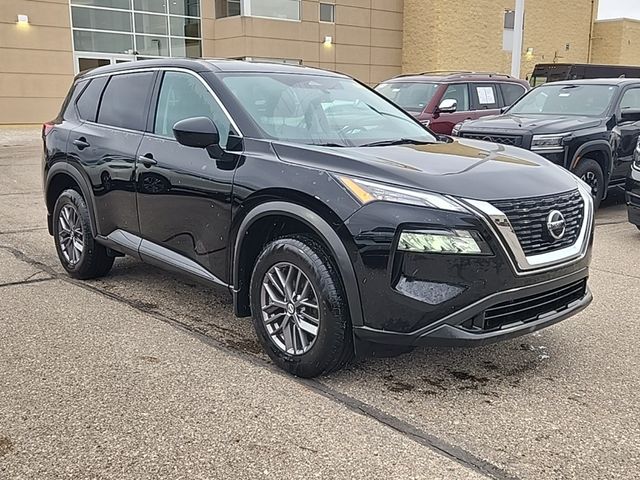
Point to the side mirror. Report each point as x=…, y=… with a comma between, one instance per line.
x=630, y=115
x=448, y=105
x=198, y=132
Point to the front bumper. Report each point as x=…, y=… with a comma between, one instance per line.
x=633, y=196
x=465, y=327
x=420, y=298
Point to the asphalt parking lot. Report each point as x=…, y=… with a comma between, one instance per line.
x=145, y=375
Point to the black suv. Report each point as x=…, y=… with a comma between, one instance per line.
x=590, y=127
x=335, y=219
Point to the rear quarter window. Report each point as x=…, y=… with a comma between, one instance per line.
x=511, y=92
x=87, y=104
x=124, y=101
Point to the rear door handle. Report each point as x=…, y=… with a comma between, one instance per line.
x=147, y=160
x=81, y=143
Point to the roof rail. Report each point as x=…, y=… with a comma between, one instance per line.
x=456, y=74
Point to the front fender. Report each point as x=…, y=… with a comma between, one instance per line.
x=323, y=230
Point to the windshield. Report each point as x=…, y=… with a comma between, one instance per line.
x=411, y=96
x=321, y=110
x=550, y=99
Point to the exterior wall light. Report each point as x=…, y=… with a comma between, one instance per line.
x=529, y=53
x=328, y=41
x=23, y=20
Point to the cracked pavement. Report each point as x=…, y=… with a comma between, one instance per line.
x=143, y=374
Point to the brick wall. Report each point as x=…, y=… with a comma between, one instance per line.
x=467, y=34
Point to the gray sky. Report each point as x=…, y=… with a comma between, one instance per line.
x=619, y=8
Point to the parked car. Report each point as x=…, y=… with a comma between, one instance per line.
x=590, y=127
x=633, y=189
x=333, y=236
x=556, y=72
x=439, y=100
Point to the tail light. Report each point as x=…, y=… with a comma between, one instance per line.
x=46, y=128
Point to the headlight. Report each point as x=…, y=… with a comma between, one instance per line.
x=636, y=155
x=426, y=123
x=456, y=129
x=548, y=142
x=459, y=242
x=366, y=192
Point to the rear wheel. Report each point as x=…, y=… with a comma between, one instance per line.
x=299, y=309
x=590, y=172
x=81, y=256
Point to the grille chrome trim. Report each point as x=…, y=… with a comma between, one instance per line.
x=513, y=140
x=529, y=219
x=499, y=224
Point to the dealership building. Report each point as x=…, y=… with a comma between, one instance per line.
x=44, y=43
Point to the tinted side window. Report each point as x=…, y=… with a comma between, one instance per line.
x=485, y=96
x=68, y=106
x=124, y=102
x=460, y=93
x=184, y=96
x=89, y=100
x=511, y=92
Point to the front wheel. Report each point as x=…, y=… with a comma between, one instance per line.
x=299, y=309
x=590, y=172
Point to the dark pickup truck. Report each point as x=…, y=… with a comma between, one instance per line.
x=590, y=127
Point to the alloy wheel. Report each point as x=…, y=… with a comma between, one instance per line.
x=591, y=179
x=290, y=308
x=70, y=234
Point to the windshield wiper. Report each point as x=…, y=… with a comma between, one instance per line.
x=400, y=141
x=329, y=144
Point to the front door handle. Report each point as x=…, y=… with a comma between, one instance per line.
x=81, y=143
x=147, y=160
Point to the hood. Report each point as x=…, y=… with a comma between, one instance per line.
x=464, y=168
x=535, y=124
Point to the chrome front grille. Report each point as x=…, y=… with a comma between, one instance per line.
x=513, y=140
x=528, y=217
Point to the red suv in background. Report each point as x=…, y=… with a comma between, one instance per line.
x=440, y=100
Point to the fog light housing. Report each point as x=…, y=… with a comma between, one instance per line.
x=448, y=242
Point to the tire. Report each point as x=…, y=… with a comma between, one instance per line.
x=92, y=261
x=590, y=171
x=332, y=346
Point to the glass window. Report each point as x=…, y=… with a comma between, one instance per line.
x=124, y=4
x=151, y=24
x=157, y=6
x=185, y=27
x=460, y=93
x=102, y=42
x=327, y=12
x=124, y=101
x=190, y=8
x=321, y=110
x=98, y=19
x=630, y=99
x=155, y=46
x=285, y=9
x=227, y=8
x=85, y=64
x=511, y=92
x=182, y=95
x=68, y=106
x=185, y=47
x=411, y=96
x=87, y=104
x=485, y=96
x=550, y=99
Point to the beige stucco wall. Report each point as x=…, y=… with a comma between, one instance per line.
x=367, y=38
x=36, y=61
x=467, y=34
x=616, y=42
